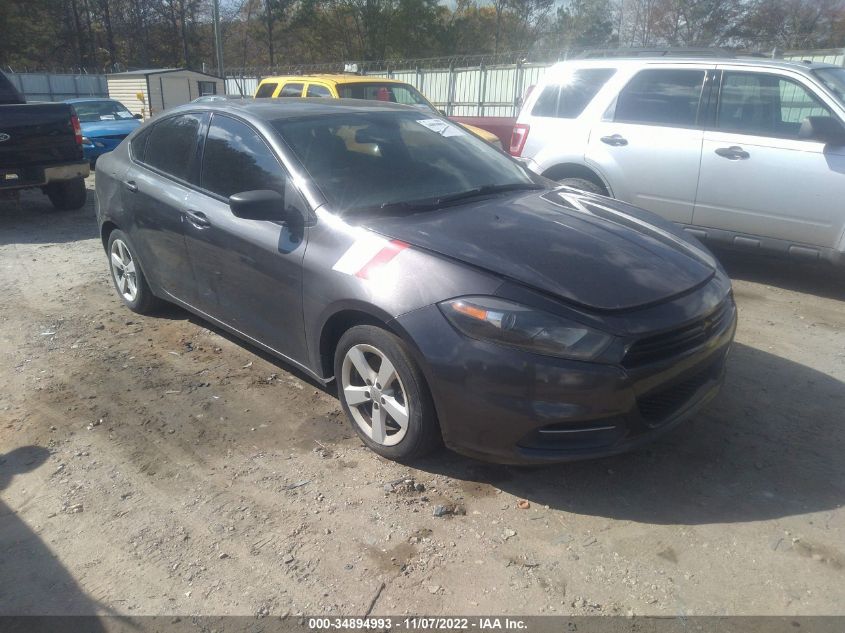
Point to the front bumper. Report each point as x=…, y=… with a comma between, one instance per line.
x=509, y=406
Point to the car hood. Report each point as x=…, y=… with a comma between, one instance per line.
x=94, y=129
x=587, y=250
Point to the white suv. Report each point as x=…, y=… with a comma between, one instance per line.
x=743, y=153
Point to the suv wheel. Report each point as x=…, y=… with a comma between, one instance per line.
x=384, y=395
x=67, y=195
x=584, y=185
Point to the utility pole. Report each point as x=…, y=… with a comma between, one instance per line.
x=218, y=45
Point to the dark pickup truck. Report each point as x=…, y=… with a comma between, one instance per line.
x=40, y=147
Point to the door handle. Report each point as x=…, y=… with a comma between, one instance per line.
x=198, y=219
x=615, y=140
x=733, y=153
x=130, y=184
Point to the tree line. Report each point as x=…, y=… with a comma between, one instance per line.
x=113, y=35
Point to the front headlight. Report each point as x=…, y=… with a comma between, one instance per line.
x=86, y=141
x=516, y=325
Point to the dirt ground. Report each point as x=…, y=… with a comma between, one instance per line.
x=152, y=465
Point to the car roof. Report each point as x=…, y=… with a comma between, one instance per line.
x=783, y=64
x=88, y=99
x=274, y=109
x=337, y=79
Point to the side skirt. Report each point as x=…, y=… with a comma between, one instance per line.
x=249, y=339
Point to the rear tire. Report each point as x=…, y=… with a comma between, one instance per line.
x=67, y=195
x=396, y=419
x=128, y=277
x=584, y=185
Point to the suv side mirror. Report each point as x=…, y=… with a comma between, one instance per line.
x=260, y=204
x=138, y=116
x=824, y=129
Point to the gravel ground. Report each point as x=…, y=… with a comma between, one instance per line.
x=153, y=465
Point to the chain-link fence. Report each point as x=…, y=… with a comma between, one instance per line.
x=485, y=85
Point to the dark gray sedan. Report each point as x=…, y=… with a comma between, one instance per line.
x=452, y=295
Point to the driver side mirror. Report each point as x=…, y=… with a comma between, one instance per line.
x=138, y=116
x=260, y=204
x=824, y=129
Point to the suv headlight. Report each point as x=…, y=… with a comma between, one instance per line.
x=516, y=325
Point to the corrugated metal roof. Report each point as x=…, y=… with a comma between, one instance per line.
x=146, y=71
x=158, y=71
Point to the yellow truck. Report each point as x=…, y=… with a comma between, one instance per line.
x=349, y=86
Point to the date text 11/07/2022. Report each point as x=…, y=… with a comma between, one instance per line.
x=418, y=623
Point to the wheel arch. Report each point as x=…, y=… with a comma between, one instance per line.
x=341, y=319
x=575, y=170
x=107, y=228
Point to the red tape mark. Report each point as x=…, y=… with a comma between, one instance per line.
x=393, y=248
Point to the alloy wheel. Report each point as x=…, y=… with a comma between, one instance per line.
x=123, y=269
x=375, y=395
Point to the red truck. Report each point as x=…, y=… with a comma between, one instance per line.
x=501, y=126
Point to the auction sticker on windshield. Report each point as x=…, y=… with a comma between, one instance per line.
x=441, y=127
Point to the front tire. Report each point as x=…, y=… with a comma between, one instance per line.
x=127, y=276
x=67, y=195
x=384, y=394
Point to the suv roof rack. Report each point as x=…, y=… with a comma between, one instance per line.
x=656, y=52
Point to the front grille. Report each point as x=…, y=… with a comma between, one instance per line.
x=661, y=346
x=657, y=406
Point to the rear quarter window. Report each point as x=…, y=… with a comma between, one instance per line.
x=138, y=144
x=266, y=90
x=8, y=92
x=567, y=99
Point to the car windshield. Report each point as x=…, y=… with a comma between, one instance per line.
x=397, y=161
x=834, y=80
x=384, y=91
x=90, y=111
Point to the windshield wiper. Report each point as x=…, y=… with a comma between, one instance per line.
x=439, y=201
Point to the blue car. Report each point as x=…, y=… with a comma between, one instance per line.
x=105, y=123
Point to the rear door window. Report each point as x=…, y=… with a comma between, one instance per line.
x=172, y=143
x=316, y=90
x=568, y=98
x=266, y=90
x=395, y=93
x=291, y=90
x=763, y=104
x=668, y=97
